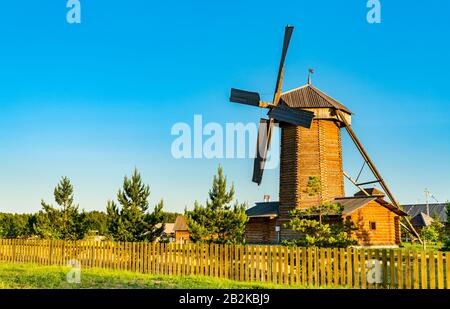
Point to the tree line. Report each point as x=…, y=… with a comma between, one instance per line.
x=130, y=217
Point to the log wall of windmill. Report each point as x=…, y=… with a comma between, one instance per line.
x=316, y=151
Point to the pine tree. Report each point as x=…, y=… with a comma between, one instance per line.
x=63, y=222
x=133, y=221
x=218, y=221
x=316, y=225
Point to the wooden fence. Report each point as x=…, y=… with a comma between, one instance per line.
x=351, y=267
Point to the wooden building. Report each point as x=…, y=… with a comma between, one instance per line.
x=317, y=151
x=181, y=230
x=376, y=220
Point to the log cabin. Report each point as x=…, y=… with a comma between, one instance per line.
x=377, y=221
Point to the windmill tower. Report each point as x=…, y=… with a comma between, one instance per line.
x=314, y=151
x=311, y=123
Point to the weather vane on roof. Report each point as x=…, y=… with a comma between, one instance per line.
x=310, y=72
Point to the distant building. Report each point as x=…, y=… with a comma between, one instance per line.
x=422, y=214
x=181, y=230
x=169, y=232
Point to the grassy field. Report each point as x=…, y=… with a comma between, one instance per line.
x=418, y=246
x=18, y=276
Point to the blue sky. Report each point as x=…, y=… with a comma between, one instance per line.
x=94, y=100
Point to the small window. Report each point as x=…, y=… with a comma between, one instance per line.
x=373, y=225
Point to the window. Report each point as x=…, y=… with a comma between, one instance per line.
x=373, y=225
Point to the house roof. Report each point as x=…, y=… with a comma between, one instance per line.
x=308, y=96
x=180, y=224
x=421, y=219
x=434, y=209
x=371, y=191
x=263, y=209
x=351, y=204
x=168, y=227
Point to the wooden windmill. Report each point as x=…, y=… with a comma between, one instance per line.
x=310, y=122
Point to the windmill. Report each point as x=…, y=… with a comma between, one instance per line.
x=276, y=112
x=310, y=143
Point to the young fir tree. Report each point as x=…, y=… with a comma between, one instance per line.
x=63, y=222
x=219, y=221
x=133, y=221
x=320, y=225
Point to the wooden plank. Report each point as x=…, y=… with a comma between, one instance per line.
x=400, y=275
x=316, y=266
x=286, y=266
x=241, y=263
x=432, y=270
x=378, y=259
x=392, y=281
x=349, y=270
x=362, y=261
x=280, y=265
x=250, y=263
x=335, y=266
x=440, y=270
x=270, y=277
x=356, y=279
x=291, y=266
x=310, y=266
x=216, y=255
x=369, y=263
x=415, y=276
x=407, y=269
x=342, y=273
x=263, y=263
x=329, y=274
x=298, y=266
x=447, y=270
x=304, y=266
x=322, y=275
x=385, y=268
x=423, y=270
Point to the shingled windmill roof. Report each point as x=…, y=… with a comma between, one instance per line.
x=308, y=96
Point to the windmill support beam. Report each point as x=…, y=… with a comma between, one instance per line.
x=368, y=182
x=374, y=170
x=357, y=185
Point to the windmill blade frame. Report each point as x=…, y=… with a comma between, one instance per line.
x=245, y=97
x=261, y=145
x=298, y=117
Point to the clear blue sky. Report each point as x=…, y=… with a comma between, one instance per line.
x=93, y=101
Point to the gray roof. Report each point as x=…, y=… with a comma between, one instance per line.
x=263, y=209
x=435, y=209
x=270, y=209
x=308, y=96
x=421, y=219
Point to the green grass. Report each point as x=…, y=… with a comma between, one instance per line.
x=418, y=246
x=29, y=276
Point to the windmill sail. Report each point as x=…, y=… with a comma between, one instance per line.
x=261, y=146
x=298, y=117
x=245, y=97
x=287, y=39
